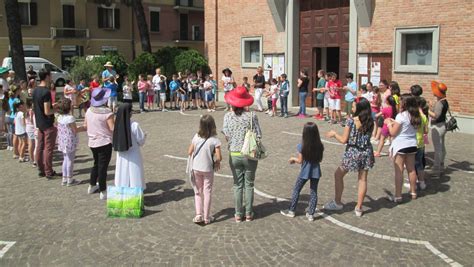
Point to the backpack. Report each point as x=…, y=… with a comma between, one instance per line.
x=174, y=86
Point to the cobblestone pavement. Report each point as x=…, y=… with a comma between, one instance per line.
x=55, y=225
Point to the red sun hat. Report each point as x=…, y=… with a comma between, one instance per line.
x=439, y=89
x=239, y=97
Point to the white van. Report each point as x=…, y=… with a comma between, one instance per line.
x=58, y=75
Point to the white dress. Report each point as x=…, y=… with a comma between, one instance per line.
x=129, y=164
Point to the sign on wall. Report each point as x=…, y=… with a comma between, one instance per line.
x=273, y=65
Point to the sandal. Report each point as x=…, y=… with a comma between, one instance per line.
x=413, y=196
x=238, y=219
x=197, y=219
x=209, y=220
x=248, y=218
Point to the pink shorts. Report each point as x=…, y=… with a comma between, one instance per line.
x=150, y=99
x=385, y=131
x=274, y=102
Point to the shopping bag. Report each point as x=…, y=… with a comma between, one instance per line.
x=253, y=148
x=124, y=202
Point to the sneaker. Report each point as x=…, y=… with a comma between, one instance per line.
x=92, y=189
x=165, y=110
x=310, y=217
x=16, y=156
x=267, y=112
x=422, y=185
x=374, y=142
x=386, y=143
x=358, y=212
x=281, y=115
x=53, y=175
x=327, y=119
x=34, y=165
x=208, y=110
x=342, y=124
x=286, y=116
x=332, y=205
x=64, y=182
x=288, y=213
x=103, y=195
x=21, y=160
x=271, y=115
x=72, y=182
x=302, y=116
x=320, y=118
x=197, y=219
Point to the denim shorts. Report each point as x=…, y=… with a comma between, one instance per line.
x=420, y=161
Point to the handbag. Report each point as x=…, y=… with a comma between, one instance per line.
x=253, y=148
x=452, y=123
x=124, y=202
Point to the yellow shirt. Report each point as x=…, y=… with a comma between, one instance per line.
x=420, y=142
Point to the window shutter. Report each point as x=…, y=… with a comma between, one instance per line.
x=154, y=21
x=33, y=14
x=100, y=17
x=116, y=18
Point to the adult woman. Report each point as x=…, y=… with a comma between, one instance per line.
x=302, y=84
x=259, y=85
x=438, y=125
x=236, y=124
x=99, y=122
x=228, y=82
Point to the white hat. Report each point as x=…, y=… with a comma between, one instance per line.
x=109, y=64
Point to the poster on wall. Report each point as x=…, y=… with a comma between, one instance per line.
x=363, y=64
x=274, y=63
x=364, y=80
x=375, y=73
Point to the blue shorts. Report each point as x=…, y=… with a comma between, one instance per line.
x=420, y=161
x=184, y=97
x=208, y=97
x=374, y=115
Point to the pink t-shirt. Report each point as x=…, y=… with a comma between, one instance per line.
x=149, y=90
x=97, y=128
x=373, y=104
x=385, y=95
x=387, y=112
x=142, y=86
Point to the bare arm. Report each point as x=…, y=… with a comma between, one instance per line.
x=191, y=149
x=217, y=162
x=298, y=159
x=340, y=138
x=47, y=109
x=393, y=127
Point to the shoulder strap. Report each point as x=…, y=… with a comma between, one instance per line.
x=199, y=148
x=251, y=121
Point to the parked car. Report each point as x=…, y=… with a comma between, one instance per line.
x=58, y=76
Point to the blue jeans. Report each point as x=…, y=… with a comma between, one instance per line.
x=284, y=105
x=303, y=103
x=142, y=97
x=313, y=199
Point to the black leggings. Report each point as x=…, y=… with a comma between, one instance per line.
x=102, y=156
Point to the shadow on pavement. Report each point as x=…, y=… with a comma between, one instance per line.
x=172, y=191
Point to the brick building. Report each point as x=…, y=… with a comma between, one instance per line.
x=374, y=39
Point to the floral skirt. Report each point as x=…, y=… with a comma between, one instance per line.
x=355, y=159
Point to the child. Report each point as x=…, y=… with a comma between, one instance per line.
x=194, y=84
x=327, y=77
x=388, y=112
x=127, y=140
x=334, y=86
x=358, y=156
x=67, y=140
x=127, y=90
x=213, y=90
x=204, y=146
x=375, y=104
x=142, y=90
x=310, y=154
x=174, y=86
x=268, y=94
x=31, y=87
x=150, y=93
x=421, y=136
x=20, y=129
x=70, y=93
x=284, y=92
x=404, y=145
x=23, y=91
x=83, y=94
x=112, y=86
x=53, y=93
x=246, y=83
x=320, y=95
x=183, y=90
x=273, y=96
x=395, y=91
x=208, y=95
x=351, y=93
x=30, y=130
x=163, y=93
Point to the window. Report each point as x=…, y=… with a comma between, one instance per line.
x=251, y=52
x=68, y=16
x=28, y=13
x=154, y=19
x=108, y=17
x=196, y=31
x=416, y=49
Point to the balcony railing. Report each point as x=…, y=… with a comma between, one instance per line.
x=189, y=5
x=184, y=36
x=69, y=33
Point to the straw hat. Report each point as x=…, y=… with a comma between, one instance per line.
x=439, y=89
x=109, y=64
x=239, y=97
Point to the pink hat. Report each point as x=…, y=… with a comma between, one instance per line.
x=239, y=97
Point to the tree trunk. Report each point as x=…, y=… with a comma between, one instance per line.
x=16, y=39
x=142, y=25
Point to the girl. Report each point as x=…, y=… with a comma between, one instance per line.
x=228, y=83
x=388, y=112
x=150, y=93
x=30, y=130
x=404, y=144
x=67, y=140
x=204, y=146
x=127, y=140
x=127, y=90
x=20, y=129
x=375, y=104
x=70, y=93
x=310, y=154
x=12, y=100
x=142, y=90
x=358, y=155
x=274, y=96
x=395, y=92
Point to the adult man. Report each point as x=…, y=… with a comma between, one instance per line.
x=156, y=86
x=31, y=74
x=44, y=115
x=259, y=85
x=108, y=72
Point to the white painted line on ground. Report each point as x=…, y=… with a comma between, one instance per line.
x=8, y=245
x=186, y=114
x=322, y=140
x=453, y=168
x=349, y=227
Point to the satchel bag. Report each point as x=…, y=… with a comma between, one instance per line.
x=452, y=123
x=253, y=148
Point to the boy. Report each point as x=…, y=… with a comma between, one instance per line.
x=214, y=90
x=162, y=86
x=208, y=94
x=334, y=86
x=320, y=92
x=351, y=92
x=112, y=86
x=284, y=92
x=194, y=84
x=246, y=83
x=174, y=86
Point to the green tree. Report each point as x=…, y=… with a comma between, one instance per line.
x=16, y=39
x=166, y=59
x=145, y=63
x=82, y=68
x=191, y=60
